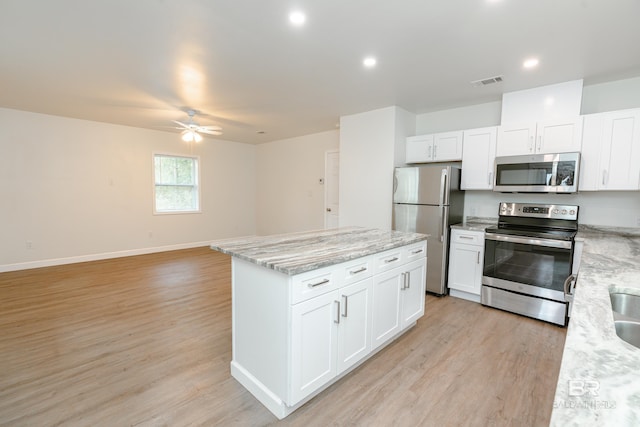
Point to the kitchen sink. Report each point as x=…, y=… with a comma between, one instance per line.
x=626, y=304
x=626, y=316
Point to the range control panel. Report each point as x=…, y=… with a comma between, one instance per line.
x=568, y=212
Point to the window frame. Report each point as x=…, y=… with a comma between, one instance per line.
x=198, y=185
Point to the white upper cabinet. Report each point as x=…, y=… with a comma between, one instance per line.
x=478, y=158
x=611, y=151
x=439, y=147
x=557, y=136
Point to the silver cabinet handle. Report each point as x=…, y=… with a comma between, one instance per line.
x=360, y=270
x=346, y=306
x=531, y=145
x=540, y=143
x=604, y=176
x=478, y=258
x=429, y=152
x=466, y=237
x=435, y=151
x=322, y=282
x=337, y=312
x=395, y=258
x=416, y=252
x=404, y=281
x=407, y=278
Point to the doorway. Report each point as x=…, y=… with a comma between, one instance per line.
x=331, y=188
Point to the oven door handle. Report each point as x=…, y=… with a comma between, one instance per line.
x=562, y=244
x=570, y=287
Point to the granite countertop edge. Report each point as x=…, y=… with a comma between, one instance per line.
x=296, y=253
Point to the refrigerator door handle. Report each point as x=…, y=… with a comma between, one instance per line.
x=443, y=219
x=443, y=186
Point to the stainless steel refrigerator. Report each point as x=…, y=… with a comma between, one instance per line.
x=427, y=199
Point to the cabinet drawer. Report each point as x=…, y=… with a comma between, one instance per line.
x=389, y=259
x=417, y=251
x=356, y=270
x=467, y=237
x=313, y=283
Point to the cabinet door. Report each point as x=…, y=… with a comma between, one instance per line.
x=447, y=146
x=516, y=139
x=620, y=155
x=590, y=172
x=314, y=342
x=559, y=136
x=386, y=306
x=354, y=330
x=419, y=149
x=465, y=268
x=413, y=291
x=478, y=158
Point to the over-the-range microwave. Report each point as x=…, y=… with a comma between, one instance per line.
x=537, y=173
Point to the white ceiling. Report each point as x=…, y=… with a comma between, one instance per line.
x=139, y=62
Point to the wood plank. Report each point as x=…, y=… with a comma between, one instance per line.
x=146, y=340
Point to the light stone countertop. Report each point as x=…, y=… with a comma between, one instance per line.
x=296, y=253
x=599, y=380
x=476, y=224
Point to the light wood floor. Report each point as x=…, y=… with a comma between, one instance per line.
x=146, y=341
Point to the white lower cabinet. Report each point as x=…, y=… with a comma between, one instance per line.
x=398, y=300
x=466, y=260
x=314, y=343
x=295, y=335
x=330, y=333
x=354, y=327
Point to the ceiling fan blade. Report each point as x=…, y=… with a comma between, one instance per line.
x=205, y=128
x=185, y=126
x=210, y=131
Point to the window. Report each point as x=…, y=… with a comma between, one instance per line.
x=176, y=184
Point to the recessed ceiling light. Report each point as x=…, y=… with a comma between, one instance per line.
x=297, y=18
x=369, y=62
x=531, y=63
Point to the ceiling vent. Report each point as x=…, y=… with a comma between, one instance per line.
x=487, y=81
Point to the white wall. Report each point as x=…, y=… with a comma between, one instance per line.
x=367, y=148
x=77, y=188
x=289, y=196
x=612, y=208
x=471, y=117
x=610, y=96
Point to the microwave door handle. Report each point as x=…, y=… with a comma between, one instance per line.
x=554, y=175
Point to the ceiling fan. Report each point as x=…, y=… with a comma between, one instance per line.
x=191, y=130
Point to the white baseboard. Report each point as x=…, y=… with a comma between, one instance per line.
x=96, y=257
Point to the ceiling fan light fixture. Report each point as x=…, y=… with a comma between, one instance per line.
x=191, y=136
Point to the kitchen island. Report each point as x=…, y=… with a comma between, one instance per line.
x=309, y=307
x=599, y=379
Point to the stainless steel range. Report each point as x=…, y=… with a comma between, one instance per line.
x=528, y=260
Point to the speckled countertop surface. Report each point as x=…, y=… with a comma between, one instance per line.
x=599, y=381
x=474, y=223
x=296, y=253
